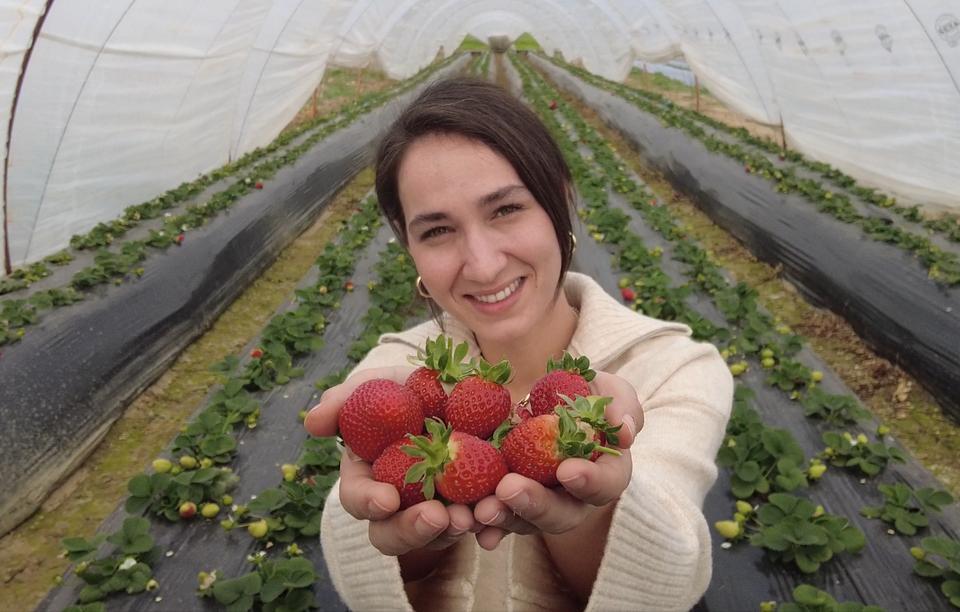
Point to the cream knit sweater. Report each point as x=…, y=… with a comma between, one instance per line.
x=657, y=555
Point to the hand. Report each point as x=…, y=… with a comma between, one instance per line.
x=429, y=525
x=524, y=506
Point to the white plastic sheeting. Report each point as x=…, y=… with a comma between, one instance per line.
x=123, y=99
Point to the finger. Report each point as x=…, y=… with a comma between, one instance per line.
x=362, y=496
x=411, y=529
x=322, y=419
x=461, y=522
x=490, y=537
x=596, y=482
x=549, y=510
x=625, y=408
x=491, y=512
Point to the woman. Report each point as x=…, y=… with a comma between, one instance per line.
x=477, y=191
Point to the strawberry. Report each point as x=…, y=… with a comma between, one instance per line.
x=553, y=105
x=348, y=285
x=258, y=185
x=188, y=510
x=536, y=447
x=256, y=353
x=179, y=238
x=391, y=467
x=462, y=468
x=480, y=402
x=377, y=413
x=442, y=364
x=628, y=294
x=568, y=376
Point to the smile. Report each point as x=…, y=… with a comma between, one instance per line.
x=500, y=295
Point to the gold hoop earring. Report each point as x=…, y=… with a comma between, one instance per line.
x=573, y=239
x=421, y=289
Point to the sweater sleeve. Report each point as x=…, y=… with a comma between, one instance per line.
x=658, y=552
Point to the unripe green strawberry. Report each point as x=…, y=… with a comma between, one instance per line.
x=882, y=430
x=258, y=529
x=187, y=462
x=744, y=508
x=766, y=353
x=728, y=529
x=768, y=362
x=816, y=471
x=209, y=510
x=206, y=462
x=768, y=606
x=738, y=368
x=289, y=472
x=228, y=524
x=226, y=500
x=162, y=466
x=816, y=376
x=918, y=553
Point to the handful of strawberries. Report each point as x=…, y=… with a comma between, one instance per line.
x=474, y=435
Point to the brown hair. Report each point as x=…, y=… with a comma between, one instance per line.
x=487, y=113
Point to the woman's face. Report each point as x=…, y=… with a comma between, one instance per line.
x=485, y=248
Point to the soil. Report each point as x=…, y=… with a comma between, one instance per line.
x=338, y=87
x=31, y=562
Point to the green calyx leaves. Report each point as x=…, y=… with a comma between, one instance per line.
x=581, y=418
x=434, y=454
x=567, y=363
x=441, y=355
x=498, y=373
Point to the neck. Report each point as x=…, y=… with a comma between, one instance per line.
x=528, y=354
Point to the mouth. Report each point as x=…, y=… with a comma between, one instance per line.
x=500, y=299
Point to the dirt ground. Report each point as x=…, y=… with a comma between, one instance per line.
x=339, y=86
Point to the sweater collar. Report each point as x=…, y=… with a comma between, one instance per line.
x=605, y=330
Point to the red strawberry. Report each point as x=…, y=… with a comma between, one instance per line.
x=348, y=285
x=553, y=105
x=256, y=353
x=463, y=468
x=628, y=294
x=258, y=185
x=536, y=447
x=179, y=238
x=568, y=377
x=391, y=467
x=442, y=363
x=377, y=413
x=480, y=402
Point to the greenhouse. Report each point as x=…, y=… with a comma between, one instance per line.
x=226, y=221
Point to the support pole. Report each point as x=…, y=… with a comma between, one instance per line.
x=783, y=135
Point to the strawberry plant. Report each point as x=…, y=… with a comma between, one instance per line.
x=834, y=409
x=807, y=598
x=939, y=557
x=127, y=569
x=792, y=530
x=858, y=453
x=907, y=509
x=276, y=585
x=163, y=493
x=760, y=458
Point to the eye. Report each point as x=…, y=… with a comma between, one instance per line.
x=434, y=232
x=507, y=209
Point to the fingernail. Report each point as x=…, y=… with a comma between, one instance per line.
x=518, y=501
x=424, y=527
x=376, y=509
x=495, y=520
x=573, y=483
x=630, y=424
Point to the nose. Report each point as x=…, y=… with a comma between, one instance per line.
x=484, y=257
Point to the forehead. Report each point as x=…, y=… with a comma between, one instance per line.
x=441, y=173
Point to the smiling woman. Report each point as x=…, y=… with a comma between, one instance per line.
x=480, y=195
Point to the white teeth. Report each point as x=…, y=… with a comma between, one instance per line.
x=500, y=295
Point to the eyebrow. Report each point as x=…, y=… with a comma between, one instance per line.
x=486, y=200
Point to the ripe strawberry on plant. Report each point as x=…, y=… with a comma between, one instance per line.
x=536, y=447
x=377, y=413
x=479, y=403
x=628, y=294
x=568, y=376
x=391, y=467
x=462, y=468
x=441, y=364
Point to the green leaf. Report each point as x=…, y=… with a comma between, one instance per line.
x=139, y=486
x=232, y=590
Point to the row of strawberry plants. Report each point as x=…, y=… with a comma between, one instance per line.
x=942, y=267
x=763, y=459
x=199, y=479
x=291, y=512
x=948, y=225
x=116, y=267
